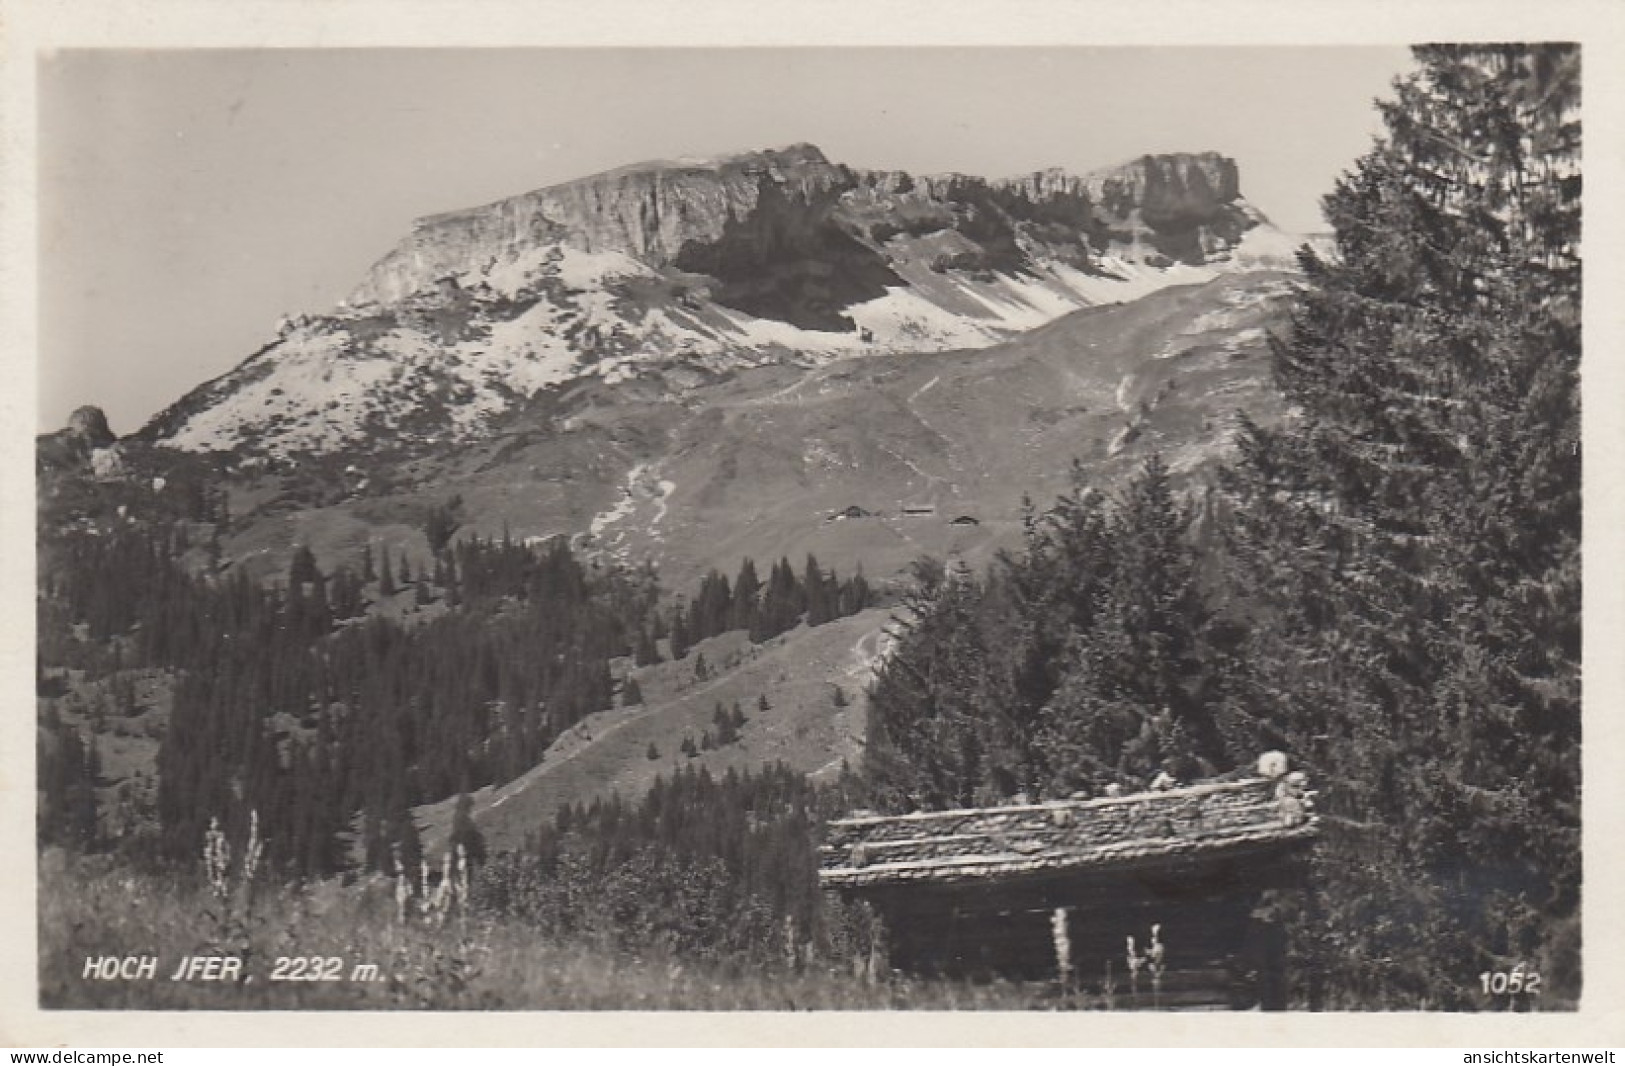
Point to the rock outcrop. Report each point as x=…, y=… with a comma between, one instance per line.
x=1168, y=191
x=74, y=445
x=89, y=425
x=107, y=463
x=658, y=212
x=649, y=211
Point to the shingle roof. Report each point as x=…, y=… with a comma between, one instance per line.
x=1201, y=821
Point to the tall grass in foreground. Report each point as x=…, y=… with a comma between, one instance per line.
x=90, y=908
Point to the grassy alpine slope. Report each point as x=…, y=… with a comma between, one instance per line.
x=90, y=908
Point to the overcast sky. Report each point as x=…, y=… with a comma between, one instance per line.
x=191, y=198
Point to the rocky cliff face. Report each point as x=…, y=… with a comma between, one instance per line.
x=654, y=212
x=648, y=211
x=1168, y=191
x=89, y=425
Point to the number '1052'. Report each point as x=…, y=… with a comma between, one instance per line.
x=1501, y=983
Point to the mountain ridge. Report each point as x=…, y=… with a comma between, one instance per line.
x=1163, y=183
x=676, y=273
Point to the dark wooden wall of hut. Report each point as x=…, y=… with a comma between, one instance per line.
x=1219, y=949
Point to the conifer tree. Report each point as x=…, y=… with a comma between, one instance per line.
x=441, y=524
x=726, y=732
x=680, y=638
x=820, y=608
x=782, y=603
x=1414, y=535
x=302, y=570
x=645, y=652
x=1137, y=694
x=747, y=588
x=928, y=722
x=386, y=576
x=450, y=581
x=712, y=608
x=854, y=594
x=464, y=833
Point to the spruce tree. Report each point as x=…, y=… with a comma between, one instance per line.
x=854, y=594
x=712, y=608
x=386, y=576
x=645, y=652
x=302, y=570
x=928, y=721
x=464, y=833
x=680, y=638
x=440, y=524
x=1413, y=537
x=820, y=608
x=747, y=587
x=1137, y=693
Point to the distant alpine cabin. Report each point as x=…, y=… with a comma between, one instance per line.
x=966, y=520
x=1168, y=898
x=918, y=510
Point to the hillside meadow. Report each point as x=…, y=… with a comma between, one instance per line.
x=465, y=961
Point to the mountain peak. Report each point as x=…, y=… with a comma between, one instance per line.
x=647, y=210
x=89, y=424
x=1169, y=189
x=84, y=437
x=671, y=270
x=797, y=154
x=787, y=157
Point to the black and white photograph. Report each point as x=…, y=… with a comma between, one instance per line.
x=1078, y=529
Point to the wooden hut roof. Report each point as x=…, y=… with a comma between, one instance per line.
x=1189, y=825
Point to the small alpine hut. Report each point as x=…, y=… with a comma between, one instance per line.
x=1165, y=898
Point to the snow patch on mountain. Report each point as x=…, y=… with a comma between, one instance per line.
x=904, y=320
x=623, y=506
x=534, y=354
x=336, y=382
x=666, y=487
x=1264, y=246
x=570, y=266
x=640, y=509
x=759, y=333
x=315, y=386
